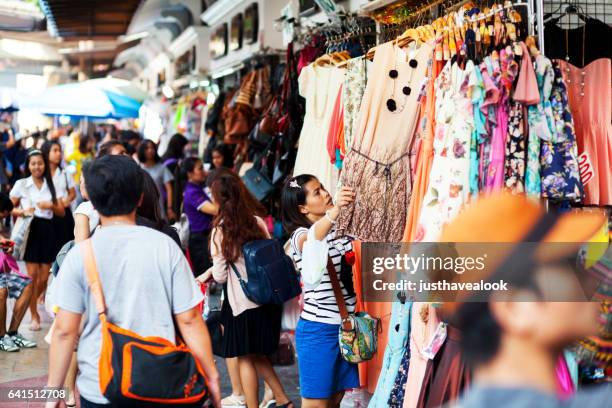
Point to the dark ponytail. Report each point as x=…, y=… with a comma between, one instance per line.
x=292, y=196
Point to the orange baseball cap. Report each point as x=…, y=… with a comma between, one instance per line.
x=504, y=218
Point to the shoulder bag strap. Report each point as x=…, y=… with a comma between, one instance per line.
x=333, y=278
x=93, y=278
x=242, y=282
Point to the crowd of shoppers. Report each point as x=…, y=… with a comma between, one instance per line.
x=125, y=197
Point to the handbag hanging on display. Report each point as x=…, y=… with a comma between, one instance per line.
x=257, y=184
x=358, y=333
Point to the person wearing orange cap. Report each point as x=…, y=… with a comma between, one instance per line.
x=513, y=344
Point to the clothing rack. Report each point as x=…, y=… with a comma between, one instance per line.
x=533, y=13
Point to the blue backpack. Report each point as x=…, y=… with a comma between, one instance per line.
x=272, y=278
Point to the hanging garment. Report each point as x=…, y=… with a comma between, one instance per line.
x=479, y=133
x=581, y=45
x=565, y=385
x=369, y=370
x=507, y=73
x=559, y=156
x=516, y=157
x=450, y=375
x=525, y=93
x=491, y=73
x=377, y=165
x=425, y=153
x=449, y=180
x=399, y=329
x=423, y=325
x=319, y=86
x=352, y=94
x=589, y=100
x=336, y=126
x=396, y=397
x=541, y=125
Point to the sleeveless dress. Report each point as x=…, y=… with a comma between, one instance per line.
x=592, y=113
x=378, y=164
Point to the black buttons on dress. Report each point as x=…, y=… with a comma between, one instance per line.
x=391, y=105
x=413, y=63
x=406, y=90
x=393, y=73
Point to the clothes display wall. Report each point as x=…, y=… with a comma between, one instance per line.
x=442, y=114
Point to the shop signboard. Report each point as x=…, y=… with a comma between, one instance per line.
x=251, y=24
x=218, y=42
x=236, y=33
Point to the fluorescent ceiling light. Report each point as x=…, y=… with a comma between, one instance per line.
x=228, y=71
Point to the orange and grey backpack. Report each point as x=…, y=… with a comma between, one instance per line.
x=140, y=371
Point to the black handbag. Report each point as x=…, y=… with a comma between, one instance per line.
x=257, y=184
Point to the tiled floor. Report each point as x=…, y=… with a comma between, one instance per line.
x=29, y=367
x=26, y=363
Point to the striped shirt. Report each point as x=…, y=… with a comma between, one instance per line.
x=319, y=303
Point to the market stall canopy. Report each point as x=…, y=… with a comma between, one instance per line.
x=119, y=86
x=83, y=99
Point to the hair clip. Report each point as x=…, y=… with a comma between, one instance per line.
x=294, y=184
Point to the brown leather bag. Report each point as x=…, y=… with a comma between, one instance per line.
x=240, y=118
x=238, y=124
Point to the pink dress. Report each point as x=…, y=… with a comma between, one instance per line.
x=509, y=71
x=592, y=112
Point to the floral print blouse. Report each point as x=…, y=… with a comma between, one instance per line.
x=541, y=125
x=559, y=156
x=449, y=179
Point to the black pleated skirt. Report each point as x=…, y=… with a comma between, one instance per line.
x=42, y=242
x=64, y=229
x=254, y=331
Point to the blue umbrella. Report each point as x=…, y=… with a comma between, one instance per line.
x=82, y=99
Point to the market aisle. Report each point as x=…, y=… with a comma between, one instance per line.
x=28, y=368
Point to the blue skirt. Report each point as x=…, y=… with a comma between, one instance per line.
x=323, y=372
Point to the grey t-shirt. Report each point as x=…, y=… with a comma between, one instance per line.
x=498, y=397
x=146, y=280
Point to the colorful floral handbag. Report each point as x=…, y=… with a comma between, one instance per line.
x=358, y=335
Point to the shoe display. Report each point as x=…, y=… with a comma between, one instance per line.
x=22, y=342
x=6, y=344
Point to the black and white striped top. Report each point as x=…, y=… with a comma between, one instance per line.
x=319, y=303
